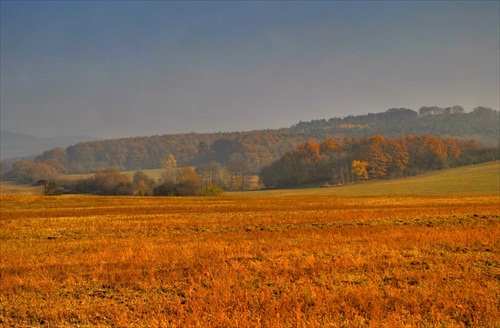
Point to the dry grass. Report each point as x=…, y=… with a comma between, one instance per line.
x=295, y=261
x=15, y=188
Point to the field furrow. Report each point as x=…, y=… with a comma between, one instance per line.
x=282, y=261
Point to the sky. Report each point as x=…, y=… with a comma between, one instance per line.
x=137, y=68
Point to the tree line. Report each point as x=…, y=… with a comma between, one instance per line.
x=375, y=157
x=310, y=163
x=110, y=182
x=204, y=179
x=256, y=148
x=184, y=182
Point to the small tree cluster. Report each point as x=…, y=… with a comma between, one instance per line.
x=185, y=182
x=143, y=184
x=181, y=182
x=235, y=174
x=238, y=172
x=106, y=182
x=50, y=188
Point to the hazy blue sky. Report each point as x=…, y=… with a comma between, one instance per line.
x=116, y=69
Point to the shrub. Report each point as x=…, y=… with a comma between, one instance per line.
x=213, y=190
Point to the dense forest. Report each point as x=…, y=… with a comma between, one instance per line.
x=260, y=148
x=482, y=124
x=374, y=157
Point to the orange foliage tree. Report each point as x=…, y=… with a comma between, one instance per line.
x=359, y=169
x=371, y=157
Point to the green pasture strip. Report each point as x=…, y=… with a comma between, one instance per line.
x=482, y=179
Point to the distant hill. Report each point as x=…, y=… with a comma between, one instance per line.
x=483, y=124
x=21, y=145
x=260, y=148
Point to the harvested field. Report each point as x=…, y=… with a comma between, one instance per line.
x=271, y=261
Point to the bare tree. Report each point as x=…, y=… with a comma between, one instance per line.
x=239, y=172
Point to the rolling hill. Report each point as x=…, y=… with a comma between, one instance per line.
x=482, y=179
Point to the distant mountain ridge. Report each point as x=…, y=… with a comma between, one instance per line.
x=14, y=145
x=262, y=147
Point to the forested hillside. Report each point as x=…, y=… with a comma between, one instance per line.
x=482, y=124
x=261, y=148
x=376, y=157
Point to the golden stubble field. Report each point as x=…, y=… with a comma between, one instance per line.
x=260, y=261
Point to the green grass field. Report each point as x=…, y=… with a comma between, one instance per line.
x=483, y=179
x=152, y=173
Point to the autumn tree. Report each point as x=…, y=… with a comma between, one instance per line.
x=143, y=184
x=169, y=164
x=269, y=175
x=307, y=156
x=397, y=153
x=359, y=169
x=433, y=153
x=377, y=158
x=56, y=157
x=332, y=161
x=111, y=182
x=452, y=149
x=29, y=172
x=187, y=182
x=296, y=167
x=106, y=182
